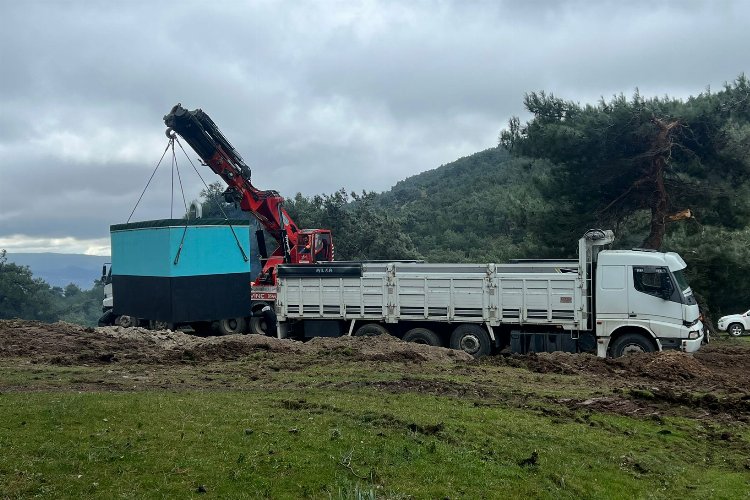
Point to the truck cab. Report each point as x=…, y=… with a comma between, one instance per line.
x=644, y=293
x=314, y=245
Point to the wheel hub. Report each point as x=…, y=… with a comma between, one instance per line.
x=470, y=344
x=126, y=321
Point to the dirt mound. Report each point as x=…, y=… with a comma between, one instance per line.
x=728, y=362
x=666, y=365
x=68, y=344
x=383, y=348
x=65, y=343
x=177, y=345
x=719, y=365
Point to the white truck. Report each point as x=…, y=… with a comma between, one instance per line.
x=608, y=302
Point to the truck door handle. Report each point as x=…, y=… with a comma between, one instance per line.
x=632, y=315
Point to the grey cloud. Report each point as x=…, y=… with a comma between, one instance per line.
x=78, y=200
x=316, y=96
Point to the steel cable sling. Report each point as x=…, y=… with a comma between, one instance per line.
x=175, y=166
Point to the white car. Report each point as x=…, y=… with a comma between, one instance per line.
x=735, y=324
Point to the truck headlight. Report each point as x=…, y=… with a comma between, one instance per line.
x=694, y=335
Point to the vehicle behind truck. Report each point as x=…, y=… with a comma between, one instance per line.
x=606, y=302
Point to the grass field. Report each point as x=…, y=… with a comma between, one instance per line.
x=354, y=442
x=271, y=425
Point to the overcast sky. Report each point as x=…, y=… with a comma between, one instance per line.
x=315, y=96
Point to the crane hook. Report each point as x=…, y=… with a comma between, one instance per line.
x=171, y=134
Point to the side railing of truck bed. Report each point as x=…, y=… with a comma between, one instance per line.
x=518, y=293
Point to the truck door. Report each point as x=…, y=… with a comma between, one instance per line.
x=653, y=297
x=322, y=247
x=612, y=292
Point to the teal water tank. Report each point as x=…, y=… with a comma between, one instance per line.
x=181, y=271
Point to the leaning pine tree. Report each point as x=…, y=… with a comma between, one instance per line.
x=671, y=159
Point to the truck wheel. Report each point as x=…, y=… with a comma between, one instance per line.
x=422, y=336
x=370, y=330
x=107, y=319
x=472, y=339
x=126, y=321
x=232, y=326
x=258, y=325
x=735, y=330
x=631, y=343
x=263, y=320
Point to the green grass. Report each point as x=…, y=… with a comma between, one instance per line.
x=743, y=340
x=350, y=443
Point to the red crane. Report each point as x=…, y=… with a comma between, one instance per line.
x=297, y=246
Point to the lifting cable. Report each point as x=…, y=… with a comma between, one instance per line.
x=226, y=218
x=175, y=166
x=149, y=181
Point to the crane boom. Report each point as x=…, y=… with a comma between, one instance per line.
x=294, y=245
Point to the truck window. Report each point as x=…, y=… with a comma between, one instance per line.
x=681, y=279
x=303, y=244
x=322, y=247
x=651, y=280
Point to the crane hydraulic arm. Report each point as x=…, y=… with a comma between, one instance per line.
x=294, y=245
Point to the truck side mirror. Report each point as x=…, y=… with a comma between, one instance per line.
x=104, y=272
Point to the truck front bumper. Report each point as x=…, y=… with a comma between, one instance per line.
x=691, y=345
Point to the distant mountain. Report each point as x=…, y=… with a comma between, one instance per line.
x=61, y=269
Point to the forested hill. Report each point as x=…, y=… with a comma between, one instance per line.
x=477, y=208
x=663, y=173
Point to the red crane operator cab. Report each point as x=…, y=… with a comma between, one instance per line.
x=314, y=245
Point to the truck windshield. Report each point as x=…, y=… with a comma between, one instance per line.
x=681, y=279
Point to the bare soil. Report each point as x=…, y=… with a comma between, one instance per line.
x=713, y=383
x=68, y=344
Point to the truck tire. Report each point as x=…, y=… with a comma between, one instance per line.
x=258, y=326
x=735, y=329
x=232, y=326
x=370, y=330
x=631, y=343
x=472, y=339
x=422, y=336
x=264, y=323
x=107, y=319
